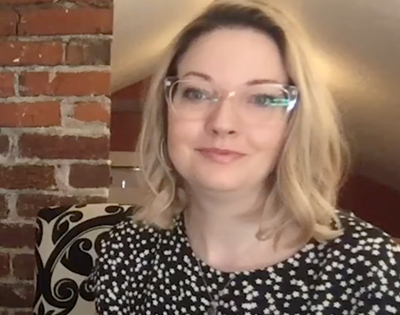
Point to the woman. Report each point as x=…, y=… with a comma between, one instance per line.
x=243, y=155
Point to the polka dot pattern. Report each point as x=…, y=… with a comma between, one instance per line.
x=142, y=270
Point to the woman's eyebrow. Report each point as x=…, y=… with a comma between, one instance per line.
x=198, y=74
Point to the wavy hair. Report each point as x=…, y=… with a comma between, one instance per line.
x=314, y=158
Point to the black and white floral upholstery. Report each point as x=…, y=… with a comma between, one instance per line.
x=68, y=240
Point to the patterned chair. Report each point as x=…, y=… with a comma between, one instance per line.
x=68, y=240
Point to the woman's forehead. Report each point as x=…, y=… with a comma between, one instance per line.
x=234, y=56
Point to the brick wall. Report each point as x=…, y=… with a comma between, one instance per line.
x=54, y=123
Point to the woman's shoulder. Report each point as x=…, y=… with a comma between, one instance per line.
x=361, y=266
x=125, y=246
x=362, y=236
x=131, y=234
x=365, y=250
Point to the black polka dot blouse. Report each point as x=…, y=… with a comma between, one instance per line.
x=143, y=271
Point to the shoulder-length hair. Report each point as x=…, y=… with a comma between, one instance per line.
x=305, y=182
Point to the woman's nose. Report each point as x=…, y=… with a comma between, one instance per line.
x=223, y=120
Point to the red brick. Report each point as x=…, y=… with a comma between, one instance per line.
x=98, y=3
x=6, y=84
x=4, y=265
x=16, y=295
x=67, y=147
x=24, y=266
x=8, y=22
x=3, y=207
x=17, y=236
x=27, y=176
x=29, y=205
x=25, y=1
x=88, y=52
x=89, y=176
x=4, y=143
x=65, y=83
x=66, y=21
x=30, y=53
x=91, y=112
x=40, y=114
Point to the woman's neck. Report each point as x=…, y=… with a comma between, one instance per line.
x=238, y=206
x=223, y=226
x=222, y=229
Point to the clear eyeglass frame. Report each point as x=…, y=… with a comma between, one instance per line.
x=290, y=91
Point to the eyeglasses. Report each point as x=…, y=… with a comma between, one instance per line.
x=195, y=99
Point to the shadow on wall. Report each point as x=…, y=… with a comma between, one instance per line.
x=126, y=116
x=374, y=202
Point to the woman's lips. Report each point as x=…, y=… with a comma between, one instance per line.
x=220, y=155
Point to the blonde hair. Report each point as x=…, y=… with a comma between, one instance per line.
x=305, y=182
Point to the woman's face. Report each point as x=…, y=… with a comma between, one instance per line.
x=227, y=147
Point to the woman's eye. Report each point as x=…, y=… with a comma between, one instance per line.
x=263, y=99
x=194, y=94
x=266, y=100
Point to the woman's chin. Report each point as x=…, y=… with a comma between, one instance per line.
x=219, y=185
